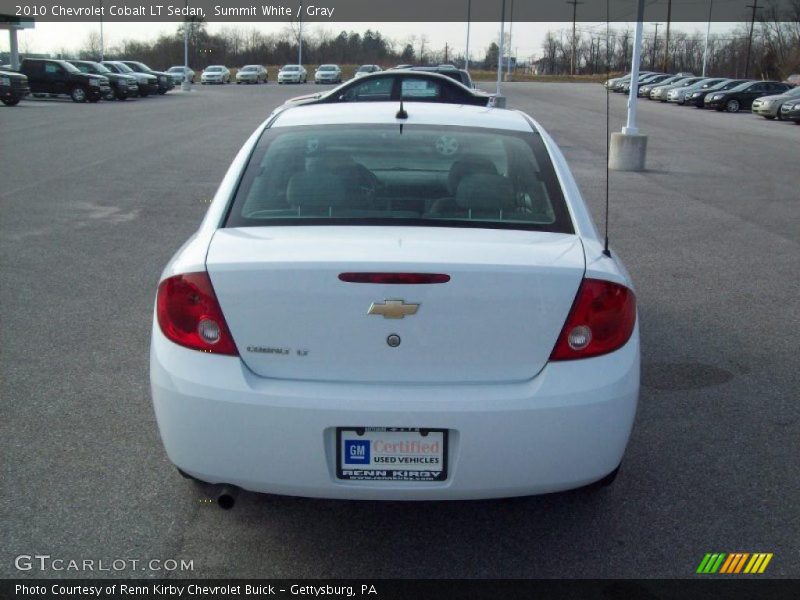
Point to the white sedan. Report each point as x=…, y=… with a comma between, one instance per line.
x=292, y=74
x=215, y=74
x=382, y=305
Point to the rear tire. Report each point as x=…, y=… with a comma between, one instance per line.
x=605, y=481
x=768, y=117
x=78, y=94
x=10, y=101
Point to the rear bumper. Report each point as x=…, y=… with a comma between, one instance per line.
x=565, y=428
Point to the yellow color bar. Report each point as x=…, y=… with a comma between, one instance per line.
x=764, y=564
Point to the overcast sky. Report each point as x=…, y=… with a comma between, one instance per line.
x=526, y=37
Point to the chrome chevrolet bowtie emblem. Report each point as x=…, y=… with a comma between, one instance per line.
x=392, y=309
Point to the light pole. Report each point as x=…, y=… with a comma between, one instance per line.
x=708, y=30
x=510, y=31
x=499, y=100
x=300, y=38
x=466, y=50
x=101, y=31
x=186, y=85
x=628, y=148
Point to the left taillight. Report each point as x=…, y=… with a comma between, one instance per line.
x=602, y=319
x=189, y=314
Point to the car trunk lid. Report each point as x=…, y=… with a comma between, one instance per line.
x=496, y=319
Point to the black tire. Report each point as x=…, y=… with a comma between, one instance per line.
x=605, y=481
x=162, y=92
x=10, y=101
x=768, y=117
x=733, y=106
x=94, y=99
x=78, y=94
x=121, y=98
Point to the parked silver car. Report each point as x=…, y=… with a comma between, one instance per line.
x=252, y=74
x=180, y=74
x=681, y=92
x=769, y=106
x=292, y=74
x=328, y=74
x=660, y=91
x=215, y=74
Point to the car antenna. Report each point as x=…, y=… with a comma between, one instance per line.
x=401, y=114
x=606, y=251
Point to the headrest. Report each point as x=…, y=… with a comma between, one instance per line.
x=485, y=192
x=315, y=190
x=468, y=165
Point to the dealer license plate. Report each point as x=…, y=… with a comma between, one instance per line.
x=391, y=454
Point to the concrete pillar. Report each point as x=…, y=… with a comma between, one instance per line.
x=627, y=152
x=12, y=43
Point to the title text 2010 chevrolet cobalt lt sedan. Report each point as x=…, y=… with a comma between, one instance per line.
x=386, y=304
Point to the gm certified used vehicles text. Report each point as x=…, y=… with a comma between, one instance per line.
x=122, y=86
x=50, y=76
x=13, y=87
x=387, y=304
x=147, y=83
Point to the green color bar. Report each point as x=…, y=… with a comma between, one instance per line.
x=703, y=563
x=718, y=564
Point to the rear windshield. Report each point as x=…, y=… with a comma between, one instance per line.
x=388, y=175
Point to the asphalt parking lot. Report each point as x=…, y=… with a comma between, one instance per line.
x=94, y=199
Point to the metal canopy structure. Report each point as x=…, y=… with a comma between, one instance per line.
x=14, y=24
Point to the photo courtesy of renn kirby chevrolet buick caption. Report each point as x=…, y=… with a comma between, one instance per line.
x=405, y=302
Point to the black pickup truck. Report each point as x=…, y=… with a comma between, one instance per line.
x=50, y=76
x=13, y=87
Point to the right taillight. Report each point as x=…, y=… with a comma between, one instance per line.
x=601, y=320
x=189, y=314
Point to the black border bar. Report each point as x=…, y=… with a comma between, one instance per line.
x=377, y=11
x=730, y=588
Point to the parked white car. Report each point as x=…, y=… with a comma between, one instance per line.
x=215, y=74
x=410, y=312
x=328, y=74
x=292, y=74
x=252, y=74
x=180, y=74
x=366, y=70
